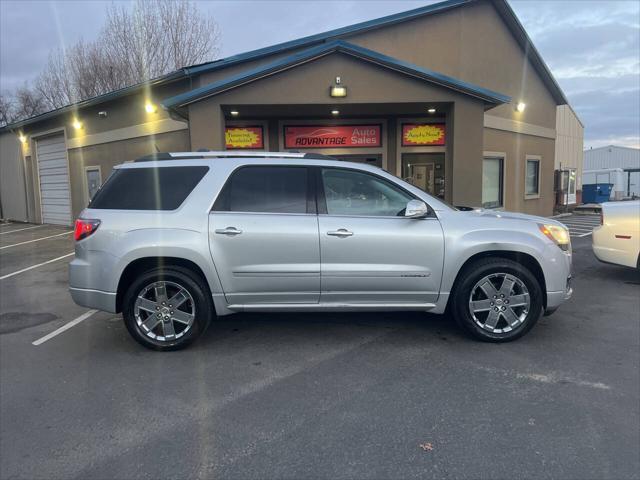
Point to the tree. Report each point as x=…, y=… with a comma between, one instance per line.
x=150, y=39
x=7, y=109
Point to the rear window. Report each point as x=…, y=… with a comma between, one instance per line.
x=160, y=188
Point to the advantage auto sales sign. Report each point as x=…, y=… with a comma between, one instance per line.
x=338, y=136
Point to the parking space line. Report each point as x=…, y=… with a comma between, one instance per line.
x=21, y=229
x=36, y=240
x=35, y=266
x=65, y=327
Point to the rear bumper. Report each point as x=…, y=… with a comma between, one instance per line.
x=105, y=301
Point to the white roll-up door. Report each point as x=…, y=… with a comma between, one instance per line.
x=53, y=172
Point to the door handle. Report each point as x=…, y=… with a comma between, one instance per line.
x=228, y=231
x=341, y=232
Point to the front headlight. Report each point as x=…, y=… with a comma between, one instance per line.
x=559, y=235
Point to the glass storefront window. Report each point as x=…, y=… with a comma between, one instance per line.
x=492, y=176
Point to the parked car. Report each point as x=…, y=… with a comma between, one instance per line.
x=172, y=240
x=617, y=239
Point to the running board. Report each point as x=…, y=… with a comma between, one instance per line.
x=327, y=307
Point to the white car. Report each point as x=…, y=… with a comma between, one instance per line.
x=617, y=239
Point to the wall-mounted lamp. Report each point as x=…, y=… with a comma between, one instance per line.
x=338, y=91
x=102, y=113
x=234, y=113
x=76, y=124
x=432, y=110
x=150, y=107
x=335, y=112
x=22, y=138
x=520, y=107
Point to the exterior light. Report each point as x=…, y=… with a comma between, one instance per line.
x=338, y=91
x=22, y=138
x=235, y=113
x=76, y=124
x=335, y=112
x=432, y=110
x=520, y=107
x=150, y=107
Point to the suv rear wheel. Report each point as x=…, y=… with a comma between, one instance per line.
x=497, y=300
x=167, y=309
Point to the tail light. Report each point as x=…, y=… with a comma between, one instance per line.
x=84, y=228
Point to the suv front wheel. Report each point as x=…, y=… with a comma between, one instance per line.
x=167, y=308
x=497, y=300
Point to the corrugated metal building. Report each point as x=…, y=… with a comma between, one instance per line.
x=610, y=157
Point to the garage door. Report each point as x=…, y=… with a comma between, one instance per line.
x=53, y=172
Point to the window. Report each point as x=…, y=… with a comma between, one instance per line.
x=348, y=192
x=532, y=179
x=269, y=189
x=158, y=188
x=492, y=181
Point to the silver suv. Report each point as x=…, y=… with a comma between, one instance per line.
x=173, y=240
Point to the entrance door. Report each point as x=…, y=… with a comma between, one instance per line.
x=371, y=253
x=425, y=171
x=263, y=236
x=572, y=186
x=53, y=173
x=568, y=186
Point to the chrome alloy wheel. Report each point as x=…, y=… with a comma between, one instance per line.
x=499, y=302
x=164, y=311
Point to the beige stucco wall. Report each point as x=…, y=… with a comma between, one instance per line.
x=516, y=147
x=12, y=181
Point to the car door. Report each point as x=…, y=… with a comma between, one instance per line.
x=370, y=252
x=263, y=236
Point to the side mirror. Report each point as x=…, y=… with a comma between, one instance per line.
x=416, y=209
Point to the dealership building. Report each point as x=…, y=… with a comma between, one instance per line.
x=452, y=97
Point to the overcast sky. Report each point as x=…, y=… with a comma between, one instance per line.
x=592, y=47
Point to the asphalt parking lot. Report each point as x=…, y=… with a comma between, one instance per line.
x=390, y=395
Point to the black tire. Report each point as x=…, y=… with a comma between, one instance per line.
x=200, y=299
x=473, y=323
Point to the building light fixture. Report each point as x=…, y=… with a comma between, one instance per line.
x=150, y=107
x=432, y=110
x=22, y=138
x=520, y=107
x=76, y=124
x=335, y=112
x=338, y=91
x=234, y=113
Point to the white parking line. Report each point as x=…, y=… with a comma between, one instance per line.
x=21, y=229
x=36, y=240
x=35, y=266
x=65, y=327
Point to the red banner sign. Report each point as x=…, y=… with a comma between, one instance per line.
x=244, y=138
x=337, y=136
x=423, y=134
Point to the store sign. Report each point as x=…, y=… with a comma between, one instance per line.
x=244, y=138
x=423, y=134
x=337, y=136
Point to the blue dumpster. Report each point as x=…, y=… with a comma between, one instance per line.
x=596, y=192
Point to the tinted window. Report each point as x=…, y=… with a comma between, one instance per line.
x=163, y=188
x=266, y=190
x=353, y=193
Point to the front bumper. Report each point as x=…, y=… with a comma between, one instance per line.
x=105, y=301
x=555, y=299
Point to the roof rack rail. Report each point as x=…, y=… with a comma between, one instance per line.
x=154, y=157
